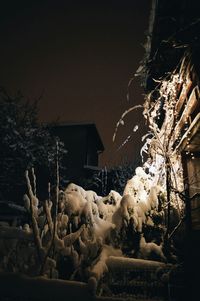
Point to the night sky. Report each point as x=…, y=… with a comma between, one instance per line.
x=79, y=56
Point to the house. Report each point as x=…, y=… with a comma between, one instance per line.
x=170, y=74
x=172, y=68
x=83, y=144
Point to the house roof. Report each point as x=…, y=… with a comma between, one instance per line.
x=174, y=27
x=91, y=128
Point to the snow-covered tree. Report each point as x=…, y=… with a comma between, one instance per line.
x=24, y=143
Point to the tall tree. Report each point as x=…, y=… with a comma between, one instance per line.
x=24, y=143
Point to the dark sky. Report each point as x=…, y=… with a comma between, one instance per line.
x=79, y=56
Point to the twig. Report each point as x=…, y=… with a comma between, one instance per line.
x=52, y=224
x=57, y=195
x=47, y=209
x=33, y=219
x=176, y=228
x=34, y=181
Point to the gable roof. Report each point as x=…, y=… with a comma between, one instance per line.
x=90, y=127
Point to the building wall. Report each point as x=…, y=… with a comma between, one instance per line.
x=92, y=152
x=81, y=144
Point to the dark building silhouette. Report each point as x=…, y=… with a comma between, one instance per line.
x=83, y=144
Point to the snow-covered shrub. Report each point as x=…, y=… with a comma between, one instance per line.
x=114, y=198
x=73, y=187
x=122, y=214
x=150, y=250
x=100, y=268
x=72, y=234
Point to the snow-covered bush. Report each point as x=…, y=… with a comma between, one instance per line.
x=72, y=234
